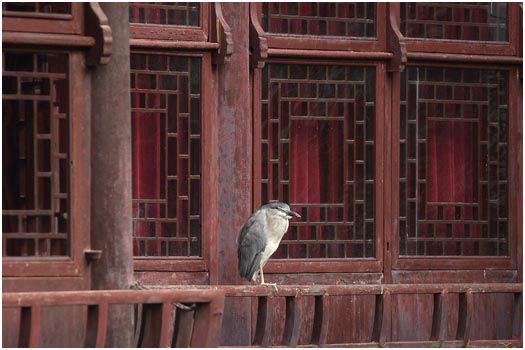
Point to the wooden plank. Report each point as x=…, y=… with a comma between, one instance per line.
x=431, y=56
x=386, y=321
x=440, y=316
x=96, y=325
x=378, y=318
x=156, y=325
x=183, y=328
x=330, y=54
x=517, y=317
x=166, y=328
x=321, y=320
x=292, y=324
x=264, y=322
x=207, y=323
x=30, y=327
x=465, y=317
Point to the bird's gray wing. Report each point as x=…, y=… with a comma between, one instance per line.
x=250, y=244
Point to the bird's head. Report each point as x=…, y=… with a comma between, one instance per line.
x=282, y=209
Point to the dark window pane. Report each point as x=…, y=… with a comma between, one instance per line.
x=453, y=196
x=474, y=21
x=174, y=13
x=318, y=155
x=38, y=7
x=166, y=166
x=320, y=19
x=35, y=130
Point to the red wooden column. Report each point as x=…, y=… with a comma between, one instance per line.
x=111, y=175
x=233, y=106
x=235, y=143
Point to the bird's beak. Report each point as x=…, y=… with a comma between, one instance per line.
x=293, y=213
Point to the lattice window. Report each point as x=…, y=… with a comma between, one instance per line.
x=166, y=126
x=455, y=21
x=38, y=7
x=35, y=169
x=453, y=162
x=317, y=148
x=320, y=18
x=178, y=13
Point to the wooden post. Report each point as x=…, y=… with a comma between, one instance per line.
x=111, y=175
x=233, y=106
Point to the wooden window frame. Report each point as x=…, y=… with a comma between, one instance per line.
x=46, y=22
x=509, y=48
x=309, y=42
x=463, y=262
x=193, y=264
x=79, y=188
x=189, y=41
x=174, y=32
x=329, y=264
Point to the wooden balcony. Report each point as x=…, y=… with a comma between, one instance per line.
x=192, y=316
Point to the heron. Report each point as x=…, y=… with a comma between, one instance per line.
x=260, y=236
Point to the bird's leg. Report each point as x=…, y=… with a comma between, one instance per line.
x=266, y=284
x=262, y=275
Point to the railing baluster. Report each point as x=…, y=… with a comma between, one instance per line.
x=517, y=318
x=465, y=311
x=264, y=322
x=386, y=318
x=156, y=325
x=292, y=325
x=321, y=320
x=207, y=325
x=378, y=318
x=440, y=316
x=96, y=326
x=137, y=310
x=183, y=328
x=30, y=326
x=166, y=327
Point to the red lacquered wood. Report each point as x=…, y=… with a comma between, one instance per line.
x=183, y=328
x=517, y=317
x=293, y=322
x=321, y=323
x=30, y=327
x=264, y=321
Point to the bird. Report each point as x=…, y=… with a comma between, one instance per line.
x=259, y=238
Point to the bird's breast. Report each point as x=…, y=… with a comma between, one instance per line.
x=276, y=228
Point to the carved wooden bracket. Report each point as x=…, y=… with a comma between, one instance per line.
x=97, y=26
x=92, y=254
x=258, y=44
x=220, y=33
x=395, y=40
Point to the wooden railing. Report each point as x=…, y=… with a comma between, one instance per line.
x=192, y=315
x=381, y=332
x=176, y=318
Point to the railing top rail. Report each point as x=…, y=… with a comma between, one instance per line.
x=369, y=289
x=204, y=293
x=151, y=296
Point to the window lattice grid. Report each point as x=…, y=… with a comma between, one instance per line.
x=320, y=18
x=453, y=162
x=38, y=7
x=35, y=154
x=317, y=147
x=166, y=126
x=175, y=13
x=455, y=21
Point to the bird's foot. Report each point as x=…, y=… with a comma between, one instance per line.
x=274, y=285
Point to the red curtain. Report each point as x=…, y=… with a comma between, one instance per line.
x=452, y=168
x=146, y=171
x=315, y=174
